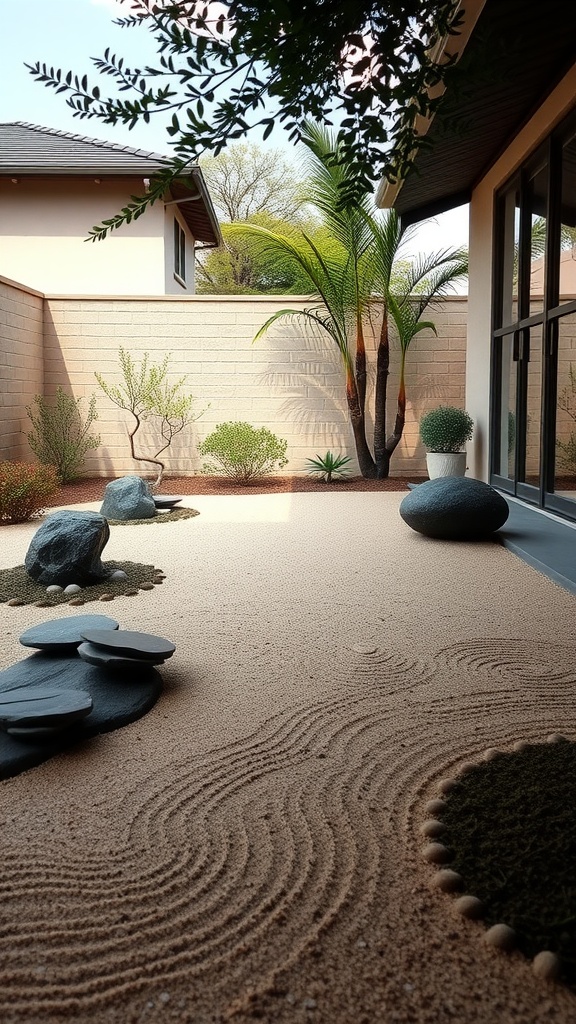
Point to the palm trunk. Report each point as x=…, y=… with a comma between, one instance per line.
x=381, y=455
x=365, y=460
x=394, y=439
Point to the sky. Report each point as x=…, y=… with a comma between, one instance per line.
x=66, y=34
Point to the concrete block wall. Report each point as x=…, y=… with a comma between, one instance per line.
x=290, y=381
x=21, y=365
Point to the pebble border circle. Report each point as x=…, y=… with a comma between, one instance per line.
x=546, y=964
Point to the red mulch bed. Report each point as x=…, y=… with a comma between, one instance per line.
x=92, y=488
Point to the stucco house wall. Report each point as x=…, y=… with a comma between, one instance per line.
x=44, y=223
x=554, y=108
x=21, y=364
x=290, y=381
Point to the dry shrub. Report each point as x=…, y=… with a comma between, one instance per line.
x=24, y=490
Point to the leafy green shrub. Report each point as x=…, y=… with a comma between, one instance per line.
x=60, y=436
x=446, y=429
x=242, y=452
x=24, y=489
x=329, y=465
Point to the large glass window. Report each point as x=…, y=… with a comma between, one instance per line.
x=534, y=344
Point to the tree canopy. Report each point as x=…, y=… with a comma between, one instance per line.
x=247, y=180
x=227, y=69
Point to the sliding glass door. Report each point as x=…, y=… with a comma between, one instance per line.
x=533, y=436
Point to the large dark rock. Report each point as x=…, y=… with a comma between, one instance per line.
x=64, y=634
x=66, y=548
x=117, y=700
x=128, y=498
x=454, y=508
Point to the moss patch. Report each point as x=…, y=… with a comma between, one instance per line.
x=16, y=583
x=511, y=826
x=163, y=517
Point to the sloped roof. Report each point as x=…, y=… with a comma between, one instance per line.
x=29, y=150
x=516, y=54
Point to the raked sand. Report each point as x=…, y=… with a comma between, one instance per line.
x=250, y=849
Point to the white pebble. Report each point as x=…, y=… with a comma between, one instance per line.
x=546, y=965
x=432, y=828
x=448, y=880
x=364, y=648
x=501, y=937
x=436, y=853
x=118, y=574
x=53, y=589
x=469, y=906
x=72, y=588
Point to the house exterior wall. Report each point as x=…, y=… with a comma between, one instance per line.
x=554, y=108
x=21, y=365
x=290, y=381
x=43, y=226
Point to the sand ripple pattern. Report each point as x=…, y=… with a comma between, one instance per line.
x=235, y=863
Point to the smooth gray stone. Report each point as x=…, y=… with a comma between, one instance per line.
x=116, y=702
x=128, y=498
x=128, y=642
x=454, y=508
x=108, y=659
x=165, y=500
x=64, y=634
x=67, y=547
x=43, y=706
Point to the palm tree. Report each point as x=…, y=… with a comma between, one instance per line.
x=358, y=272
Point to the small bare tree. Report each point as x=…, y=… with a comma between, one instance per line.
x=148, y=396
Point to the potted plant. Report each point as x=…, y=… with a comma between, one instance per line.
x=444, y=432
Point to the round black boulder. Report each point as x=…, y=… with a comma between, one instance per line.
x=454, y=508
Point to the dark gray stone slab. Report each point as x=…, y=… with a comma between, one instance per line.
x=454, y=508
x=64, y=634
x=116, y=701
x=113, y=659
x=130, y=643
x=66, y=548
x=128, y=498
x=165, y=500
x=47, y=705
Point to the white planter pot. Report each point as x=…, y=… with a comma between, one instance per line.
x=446, y=464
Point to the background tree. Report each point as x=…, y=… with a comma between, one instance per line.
x=245, y=180
x=358, y=280
x=229, y=68
x=239, y=267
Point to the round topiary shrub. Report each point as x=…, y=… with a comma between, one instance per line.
x=243, y=453
x=446, y=429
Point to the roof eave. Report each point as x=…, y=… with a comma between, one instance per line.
x=387, y=192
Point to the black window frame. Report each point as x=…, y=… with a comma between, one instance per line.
x=179, y=253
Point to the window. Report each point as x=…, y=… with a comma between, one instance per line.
x=534, y=328
x=179, y=253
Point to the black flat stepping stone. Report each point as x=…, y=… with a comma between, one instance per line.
x=30, y=707
x=116, y=702
x=130, y=643
x=64, y=634
x=114, y=659
x=165, y=500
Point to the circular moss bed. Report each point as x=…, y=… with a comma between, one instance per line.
x=510, y=825
x=16, y=584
